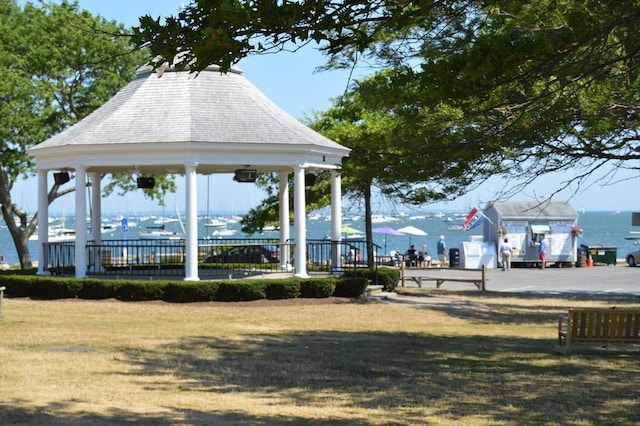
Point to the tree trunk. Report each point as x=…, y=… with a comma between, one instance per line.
x=366, y=192
x=20, y=230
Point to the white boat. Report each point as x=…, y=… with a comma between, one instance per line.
x=224, y=232
x=57, y=235
x=233, y=219
x=633, y=235
x=353, y=237
x=215, y=223
x=383, y=218
x=61, y=235
x=4, y=265
x=166, y=220
x=159, y=234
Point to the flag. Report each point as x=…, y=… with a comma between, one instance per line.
x=473, y=219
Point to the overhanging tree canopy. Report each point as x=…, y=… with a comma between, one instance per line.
x=549, y=84
x=58, y=64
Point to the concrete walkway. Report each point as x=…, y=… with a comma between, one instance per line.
x=618, y=279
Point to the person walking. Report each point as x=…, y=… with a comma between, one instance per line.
x=441, y=249
x=543, y=251
x=505, y=254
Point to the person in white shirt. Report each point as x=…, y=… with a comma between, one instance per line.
x=505, y=255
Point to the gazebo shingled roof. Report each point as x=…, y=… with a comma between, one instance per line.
x=162, y=119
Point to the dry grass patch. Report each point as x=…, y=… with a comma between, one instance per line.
x=445, y=358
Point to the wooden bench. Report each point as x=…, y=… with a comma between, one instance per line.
x=439, y=276
x=2, y=289
x=598, y=325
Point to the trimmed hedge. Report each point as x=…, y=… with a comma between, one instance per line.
x=237, y=291
x=282, y=289
x=351, y=286
x=185, y=292
x=140, y=290
x=18, y=285
x=99, y=289
x=56, y=288
x=386, y=277
x=52, y=287
x=317, y=287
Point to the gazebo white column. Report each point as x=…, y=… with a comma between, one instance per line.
x=96, y=220
x=336, y=217
x=300, y=221
x=43, y=219
x=285, y=258
x=81, y=222
x=191, y=212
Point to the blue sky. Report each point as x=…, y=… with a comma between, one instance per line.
x=290, y=80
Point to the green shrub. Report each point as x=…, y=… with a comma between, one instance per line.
x=56, y=288
x=237, y=291
x=140, y=290
x=386, y=277
x=283, y=289
x=51, y=287
x=350, y=286
x=185, y=292
x=98, y=288
x=18, y=285
x=30, y=271
x=317, y=287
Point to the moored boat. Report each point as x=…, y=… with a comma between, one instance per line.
x=633, y=235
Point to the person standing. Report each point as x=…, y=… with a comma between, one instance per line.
x=442, y=250
x=543, y=251
x=505, y=254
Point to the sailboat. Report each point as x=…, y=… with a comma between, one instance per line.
x=58, y=233
x=160, y=233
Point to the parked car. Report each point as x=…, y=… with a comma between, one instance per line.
x=246, y=254
x=633, y=258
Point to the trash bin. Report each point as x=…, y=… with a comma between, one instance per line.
x=582, y=257
x=601, y=253
x=454, y=257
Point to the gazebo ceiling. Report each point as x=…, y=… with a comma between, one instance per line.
x=165, y=119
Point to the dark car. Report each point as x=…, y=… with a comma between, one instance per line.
x=246, y=254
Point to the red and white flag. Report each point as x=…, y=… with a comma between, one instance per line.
x=473, y=219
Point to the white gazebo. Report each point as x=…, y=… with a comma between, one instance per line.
x=174, y=122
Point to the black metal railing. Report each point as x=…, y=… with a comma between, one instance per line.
x=216, y=257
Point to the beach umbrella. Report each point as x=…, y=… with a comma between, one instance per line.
x=412, y=230
x=350, y=233
x=387, y=230
x=346, y=229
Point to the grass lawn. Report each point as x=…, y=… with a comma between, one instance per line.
x=442, y=357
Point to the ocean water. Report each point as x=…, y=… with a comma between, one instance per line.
x=606, y=228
